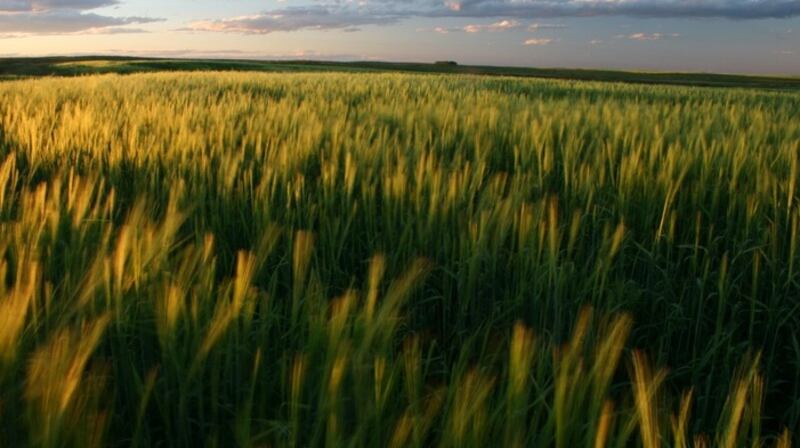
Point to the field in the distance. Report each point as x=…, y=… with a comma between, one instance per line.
x=369, y=259
x=13, y=68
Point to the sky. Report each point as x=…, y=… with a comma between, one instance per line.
x=731, y=36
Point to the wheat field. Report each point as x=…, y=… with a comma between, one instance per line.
x=327, y=259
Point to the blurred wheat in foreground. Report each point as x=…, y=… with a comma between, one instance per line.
x=396, y=260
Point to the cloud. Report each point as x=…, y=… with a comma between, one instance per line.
x=502, y=25
x=55, y=17
x=65, y=22
x=295, y=18
x=651, y=36
x=115, y=30
x=538, y=42
x=49, y=5
x=595, y=42
x=90, y=32
x=545, y=26
x=731, y=9
x=351, y=14
x=453, y=6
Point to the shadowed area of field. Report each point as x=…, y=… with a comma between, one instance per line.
x=12, y=68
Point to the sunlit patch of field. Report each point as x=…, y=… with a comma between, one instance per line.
x=396, y=260
x=93, y=64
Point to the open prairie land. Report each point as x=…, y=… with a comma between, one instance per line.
x=11, y=68
x=376, y=259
